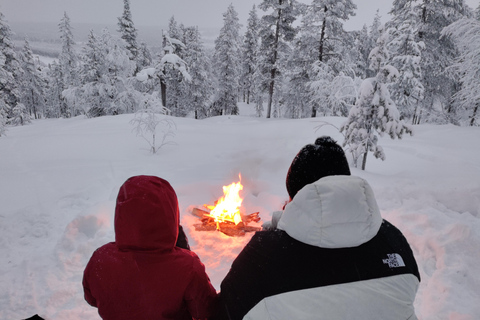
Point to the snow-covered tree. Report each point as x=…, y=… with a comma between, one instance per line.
x=144, y=58
x=10, y=71
x=128, y=32
x=227, y=63
x=3, y=119
x=68, y=59
x=322, y=29
x=169, y=62
x=406, y=53
x=374, y=111
x=3, y=106
x=96, y=93
x=32, y=84
x=363, y=48
x=477, y=13
x=20, y=115
x=53, y=92
x=323, y=20
x=440, y=85
x=466, y=34
x=276, y=30
x=106, y=68
x=68, y=64
x=249, y=56
x=198, y=92
x=174, y=43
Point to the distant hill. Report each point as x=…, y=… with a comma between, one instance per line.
x=44, y=37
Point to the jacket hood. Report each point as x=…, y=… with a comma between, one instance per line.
x=146, y=214
x=333, y=212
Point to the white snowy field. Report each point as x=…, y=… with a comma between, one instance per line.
x=59, y=180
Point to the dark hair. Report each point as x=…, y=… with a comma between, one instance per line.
x=315, y=161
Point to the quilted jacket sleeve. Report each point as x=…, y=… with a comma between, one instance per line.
x=200, y=296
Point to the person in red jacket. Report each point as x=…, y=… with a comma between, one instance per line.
x=143, y=274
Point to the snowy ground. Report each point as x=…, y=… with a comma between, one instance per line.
x=59, y=180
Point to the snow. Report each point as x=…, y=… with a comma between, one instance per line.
x=60, y=178
x=145, y=74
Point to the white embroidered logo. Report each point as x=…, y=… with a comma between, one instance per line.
x=394, y=260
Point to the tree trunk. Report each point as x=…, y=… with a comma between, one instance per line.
x=163, y=91
x=322, y=37
x=274, y=62
x=34, y=105
x=364, y=161
x=474, y=115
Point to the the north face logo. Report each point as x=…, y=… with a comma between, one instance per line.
x=394, y=260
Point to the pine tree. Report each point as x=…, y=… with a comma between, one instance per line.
x=197, y=93
x=276, y=29
x=10, y=71
x=323, y=27
x=32, y=84
x=129, y=33
x=477, y=13
x=20, y=115
x=173, y=77
x=227, y=60
x=95, y=93
x=67, y=59
x=68, y=63
x=4, y=77
x=432, y=16
x=53, y=91
x=466, y=34
x=249, y=56
x=116, y=79
x=362, y=44
x=325, y=18
x=170, y=64
x=374, y=111
x=144, y=58
x=406, y=52
x=375, y=31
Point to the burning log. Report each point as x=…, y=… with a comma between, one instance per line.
x=225, y=215
x=231, y=229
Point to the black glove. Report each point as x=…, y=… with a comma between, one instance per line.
x=182, y=240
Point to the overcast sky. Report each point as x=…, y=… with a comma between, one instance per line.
x=202, y=13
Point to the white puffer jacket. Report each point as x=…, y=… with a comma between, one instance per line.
x=338, y=212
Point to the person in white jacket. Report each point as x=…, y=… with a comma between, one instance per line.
x=330, y=256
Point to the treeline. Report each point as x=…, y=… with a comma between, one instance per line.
x=294, y=60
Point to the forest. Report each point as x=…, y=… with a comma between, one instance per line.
x=292, y=60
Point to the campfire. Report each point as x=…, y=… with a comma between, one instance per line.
x=225, y=215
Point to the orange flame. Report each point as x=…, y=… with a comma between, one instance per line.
x=227, y=208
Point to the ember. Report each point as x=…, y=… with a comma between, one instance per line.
x=225, y=215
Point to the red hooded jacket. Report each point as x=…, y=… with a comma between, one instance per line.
x=142, y=275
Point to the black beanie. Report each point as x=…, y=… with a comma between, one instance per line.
x=315, y=161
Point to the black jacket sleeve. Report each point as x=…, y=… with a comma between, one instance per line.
x=182, y=240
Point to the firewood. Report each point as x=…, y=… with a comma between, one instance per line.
x=251, y=217
x=204, y=227
x=231, y=230
x=199, y=212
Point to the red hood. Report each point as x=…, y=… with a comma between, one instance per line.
x=146, y=214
